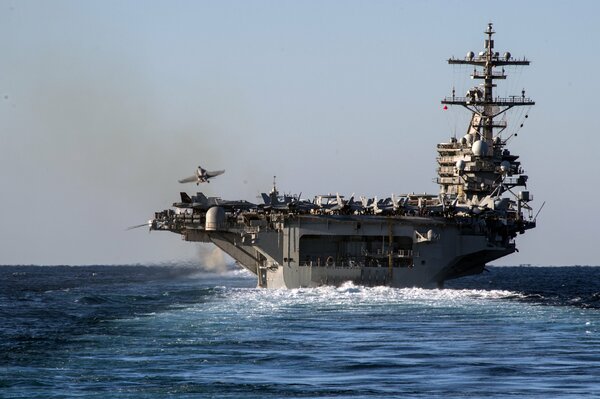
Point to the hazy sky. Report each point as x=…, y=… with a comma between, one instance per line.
x=105, y=104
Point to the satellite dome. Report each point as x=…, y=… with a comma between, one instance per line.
x=505, y=166
x=215, y=219
x=470, y=55
x=460, y=165
x=479, y=148
x=507, y=56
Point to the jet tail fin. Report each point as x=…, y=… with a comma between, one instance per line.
x=186, y=199
x=266, y=198
x=201, y=198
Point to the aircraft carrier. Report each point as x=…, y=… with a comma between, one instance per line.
x=407, y=240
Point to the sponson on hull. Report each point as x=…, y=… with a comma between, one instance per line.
x=403, y=241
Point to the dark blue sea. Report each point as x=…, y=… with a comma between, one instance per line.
x=175, y=331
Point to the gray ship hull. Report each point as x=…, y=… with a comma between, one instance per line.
x=311, y=251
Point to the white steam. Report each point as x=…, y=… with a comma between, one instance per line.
x=212, y=259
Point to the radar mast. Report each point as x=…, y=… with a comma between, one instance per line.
x=478, y=164
x=480, y=100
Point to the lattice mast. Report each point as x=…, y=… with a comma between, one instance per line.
x=483, y=102
x=485, y=108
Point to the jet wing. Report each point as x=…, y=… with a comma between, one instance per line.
x=215, y=173
x=191, y=179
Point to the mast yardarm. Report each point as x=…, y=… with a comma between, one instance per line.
x=480, y=100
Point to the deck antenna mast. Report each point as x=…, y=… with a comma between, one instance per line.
x=480, y=100
x=478, y=164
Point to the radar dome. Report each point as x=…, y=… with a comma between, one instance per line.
x=215, y=219
x=479, y=148
x=505, y=166
x=460, y=165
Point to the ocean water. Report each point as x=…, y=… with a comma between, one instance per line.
x=167, y=331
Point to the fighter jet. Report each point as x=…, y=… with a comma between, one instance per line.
x=202, y=176
x=198, y=201
x=274, y=201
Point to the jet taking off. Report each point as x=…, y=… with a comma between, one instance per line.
x=201, y=176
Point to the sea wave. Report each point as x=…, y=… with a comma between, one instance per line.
x=351, y=297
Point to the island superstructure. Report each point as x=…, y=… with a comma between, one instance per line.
x=407, y=240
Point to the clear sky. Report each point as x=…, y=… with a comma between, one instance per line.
x=105, y=104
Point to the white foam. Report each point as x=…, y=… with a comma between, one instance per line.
x=350, y=296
